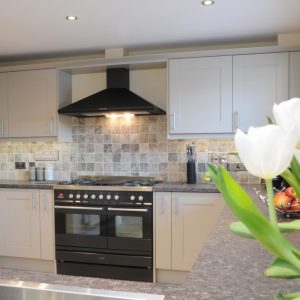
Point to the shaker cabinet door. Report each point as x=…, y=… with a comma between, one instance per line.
x=163, y=232
x=294, y=75
x=3, y=105
x=259, y=81
x=200, y=95
x=32, y=103
x=47, y=224
x=20, y=223
x=194, y=215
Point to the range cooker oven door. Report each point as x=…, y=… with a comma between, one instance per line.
x=130, y=229
x=80, y=227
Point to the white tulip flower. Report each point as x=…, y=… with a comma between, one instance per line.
x=287, y=115
x=266, y=151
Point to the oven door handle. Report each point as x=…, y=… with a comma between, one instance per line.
x=78, y=208
x=128, y=209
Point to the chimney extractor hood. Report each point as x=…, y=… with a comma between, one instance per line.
x=116, y=98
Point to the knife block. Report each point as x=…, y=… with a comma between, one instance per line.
x=191, y=172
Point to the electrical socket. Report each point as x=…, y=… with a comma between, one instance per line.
x=236, y=167
x=19, y=165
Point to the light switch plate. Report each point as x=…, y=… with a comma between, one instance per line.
x=49, y=155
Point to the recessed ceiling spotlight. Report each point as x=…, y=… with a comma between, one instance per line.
x=71, y=18
x=207, y=2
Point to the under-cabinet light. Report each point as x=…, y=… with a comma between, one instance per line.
x=122, y=115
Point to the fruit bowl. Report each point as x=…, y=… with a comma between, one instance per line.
x=283, y=210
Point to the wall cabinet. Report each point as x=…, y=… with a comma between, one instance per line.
x=215, y=95
x=294, y=75
x=259, y=81
x=27, y=223
x=183, y=223
x=3, y=104
x=200, y=95
x=33, y=98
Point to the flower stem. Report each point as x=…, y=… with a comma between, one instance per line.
x=272, y=212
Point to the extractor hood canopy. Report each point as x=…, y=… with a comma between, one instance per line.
x=116, y=98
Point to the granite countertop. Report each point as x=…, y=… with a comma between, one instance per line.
x=184, y=187
x=228, y=267
x=26, y=184
x=161, y=187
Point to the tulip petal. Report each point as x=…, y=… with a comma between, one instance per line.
x=266, y=151
x=287, y=115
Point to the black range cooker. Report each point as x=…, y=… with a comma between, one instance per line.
x=104, y=227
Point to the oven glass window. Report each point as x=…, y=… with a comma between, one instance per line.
x=129, y=226
x=83, y=224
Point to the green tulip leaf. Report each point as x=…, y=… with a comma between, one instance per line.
x=234, y=152
x=291, y=178
x=283, y=270
x=247, y=212
x=240, y=229
x=290, y=226
x=293, y=296
x=295, y=166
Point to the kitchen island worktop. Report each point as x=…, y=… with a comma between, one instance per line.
x=228, y=267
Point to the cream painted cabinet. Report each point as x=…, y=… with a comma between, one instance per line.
x=183, y=223
x=3, y=104
x=200, y=95
x=30, y=100
x=294, y=75
x=163, y=221
x=26, y=224
x=47, y=224
x=32, y=103
x=259, y=81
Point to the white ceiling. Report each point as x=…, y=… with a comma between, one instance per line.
x=33, y=28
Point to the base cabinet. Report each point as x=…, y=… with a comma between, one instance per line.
x=183, y=223
x=26, y=222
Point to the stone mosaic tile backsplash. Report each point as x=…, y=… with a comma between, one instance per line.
x=132, y=147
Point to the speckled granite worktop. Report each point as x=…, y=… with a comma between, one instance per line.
x=184, y=187
x=26, y=184
x=228, y=267
x=161, y=187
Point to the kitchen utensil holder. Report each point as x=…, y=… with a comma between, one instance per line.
x=191, y=172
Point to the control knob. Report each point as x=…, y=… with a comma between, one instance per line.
x=101, y=197
x=93, y=196
x=116, y=197
x=132, y=197
x=108, y=197
x=141, y=198
x=71, y=196
x=85, y=196
x=78, y=196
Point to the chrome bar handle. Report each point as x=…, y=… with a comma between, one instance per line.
x=177, y=207
x=46, y=202
x=173, y=121
x=51, y=125
x=128, y=209
x=162, y=206
x=236, y=121
x=2, y=127
x=79, y=208
x=33, y=200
